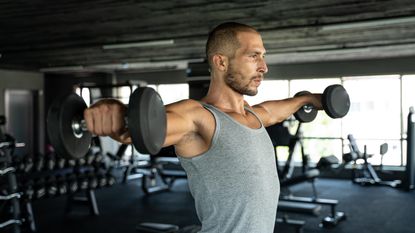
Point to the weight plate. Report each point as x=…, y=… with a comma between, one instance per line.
x=147, y=120
x=336, y=101
x=305, y=114
x=59, y=127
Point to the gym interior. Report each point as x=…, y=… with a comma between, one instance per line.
x=355, y=173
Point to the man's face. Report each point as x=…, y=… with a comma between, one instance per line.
x=247, y=68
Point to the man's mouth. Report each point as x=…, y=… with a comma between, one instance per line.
x=257, y=80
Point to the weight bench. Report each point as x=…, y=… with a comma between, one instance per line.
x=310, y=205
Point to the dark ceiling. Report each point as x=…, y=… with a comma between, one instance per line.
x=71, y=34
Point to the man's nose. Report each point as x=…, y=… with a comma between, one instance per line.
x=262, y=66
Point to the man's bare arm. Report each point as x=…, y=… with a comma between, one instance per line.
x=180, y=121
x=275, y=111
x=106, y=118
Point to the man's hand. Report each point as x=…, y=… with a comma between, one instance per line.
x=315, y=100
x=107, y=118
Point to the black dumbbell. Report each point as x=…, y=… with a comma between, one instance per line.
x=28, y=164
x=28, y=190
x=92, y=181
x=60, y=163
x=80, y=162
x=146, y=120
x=335, y=101
x=40, y=189
x=70, y=163
x=110, y=179
x=98, y=158
x=82, y=182
x=39, y=163
x=50, y=162
x=72, y=183
x=89, y=159
x=51, y=186
x=61, y=184
x=102, y=180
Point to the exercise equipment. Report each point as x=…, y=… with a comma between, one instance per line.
x=307, y=113
x=335, y=101
x=280, y=136
x=9, y=195
x=408, y=182
x=146, y=121
x=161, y=171
x=367, y=175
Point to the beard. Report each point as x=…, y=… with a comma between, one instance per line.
x=234, y=81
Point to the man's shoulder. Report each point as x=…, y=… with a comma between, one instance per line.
x=187, y=107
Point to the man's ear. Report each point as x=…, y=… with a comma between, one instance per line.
x=220, y=62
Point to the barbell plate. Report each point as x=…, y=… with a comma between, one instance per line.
x=304, y=115
x=147, y=121
x=59, y=127
x=336, y=101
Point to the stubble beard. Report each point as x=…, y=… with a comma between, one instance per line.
x=234, y=83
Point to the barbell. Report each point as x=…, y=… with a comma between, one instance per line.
x=145, y=120
x=335, y=101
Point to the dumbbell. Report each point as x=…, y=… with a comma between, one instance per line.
x=28, y=190
x=98, y=159
x=82, y=182
x=89, y=158
x=335, y=101
x=39, y=163
x=110, y=179
x=50, y=162
x=146, y=121
x=102, y=180
x=70, y=163
x=92, y=181
x=27, y=164
x=72, y=183
x=40, y=188
x=51, y=186
x=60, y=163
x=61, y=184
x=80, y=162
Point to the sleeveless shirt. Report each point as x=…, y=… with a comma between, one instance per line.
x=234, y=184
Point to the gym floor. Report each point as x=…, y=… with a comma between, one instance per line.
x=123, y=206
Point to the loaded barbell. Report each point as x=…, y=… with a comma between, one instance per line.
x=146, y=122
x=335, y=101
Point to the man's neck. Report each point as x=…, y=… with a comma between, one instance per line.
x=225, y=98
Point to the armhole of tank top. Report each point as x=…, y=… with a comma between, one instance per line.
x=215, y=132
x=255, y=115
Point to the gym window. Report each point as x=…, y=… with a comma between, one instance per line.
x=378, y=114
x=171, y=93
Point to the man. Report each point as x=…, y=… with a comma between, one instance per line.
x=221, y=141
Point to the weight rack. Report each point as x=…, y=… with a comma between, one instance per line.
x=12, y=196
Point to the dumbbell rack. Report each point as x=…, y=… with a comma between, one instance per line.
x=7, y=145
x=49, y=176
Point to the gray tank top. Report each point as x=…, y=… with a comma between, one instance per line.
x=235, y=183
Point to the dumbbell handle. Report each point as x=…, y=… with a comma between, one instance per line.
x=79, y=126
x=308, y=107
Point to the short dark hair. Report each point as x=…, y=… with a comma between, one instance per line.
x=223, y=39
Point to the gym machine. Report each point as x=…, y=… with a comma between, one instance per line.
x=408, y=183
x=367, y=175
x=162, y=171
x=288, y=202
